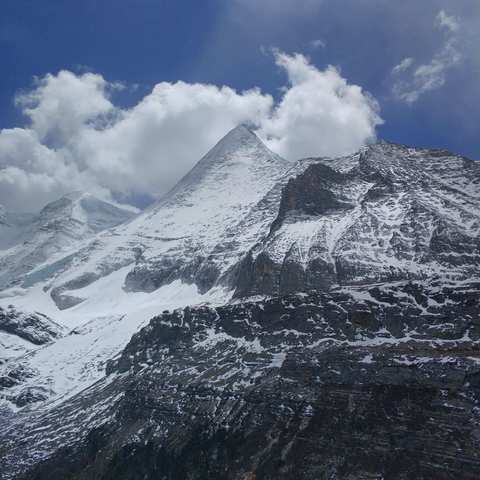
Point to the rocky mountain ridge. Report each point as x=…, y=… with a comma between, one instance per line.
x=21, y=332
x=379, y=382
x=338, y=337
x=389, y=213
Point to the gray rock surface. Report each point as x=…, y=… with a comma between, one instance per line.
x=357, y=383
x=388, y=213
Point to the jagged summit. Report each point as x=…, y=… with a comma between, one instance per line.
x=386, y=213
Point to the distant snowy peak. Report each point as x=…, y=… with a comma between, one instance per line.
x=29, y=242
x=81, y=213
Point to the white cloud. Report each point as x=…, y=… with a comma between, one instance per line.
x=32, y=174
x=319, y=113
x=318, y=43
x=77, y=139
x=432, y=75
x=61, y=104
x=405, y=64
x=446, y=21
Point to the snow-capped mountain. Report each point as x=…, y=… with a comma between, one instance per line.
x=349, y=286
x=388, y=213
x=31, y=240
x=178, y=237
x=12, y=227
x=165, y=257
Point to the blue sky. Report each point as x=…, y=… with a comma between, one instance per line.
x=139, y=43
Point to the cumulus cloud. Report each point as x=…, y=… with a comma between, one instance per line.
x=31, y=174
x=77, y=138
x=432, y=75
x=61, y=104
x=319, y=113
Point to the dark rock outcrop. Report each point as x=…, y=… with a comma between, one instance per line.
x=389, y=213
x=35, y=328
x=373, y=382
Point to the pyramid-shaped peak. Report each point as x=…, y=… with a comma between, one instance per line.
x=240, y=144
x=239, y=157
x=77, y=195
x=239, y=137
x=243, y=130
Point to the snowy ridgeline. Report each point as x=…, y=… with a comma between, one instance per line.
x=242, y=223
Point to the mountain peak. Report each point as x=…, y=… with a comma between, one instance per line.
x=237, y=138
x=237, y=155
x=76, y=195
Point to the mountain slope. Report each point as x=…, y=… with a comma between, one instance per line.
x=388, y=213
x=349, y=349
x=359, y=383
x=59, y=226
x=165, y=249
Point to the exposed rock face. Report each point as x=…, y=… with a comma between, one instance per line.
x=22, y=331
x=363, y=383
x=388, y=213
x=33, y=327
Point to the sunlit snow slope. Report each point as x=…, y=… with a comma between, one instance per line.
x=29, y=241
x=163, y=258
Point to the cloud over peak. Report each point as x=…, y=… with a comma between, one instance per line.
x=77, y=139
x=320, y=113
x=61, y=104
